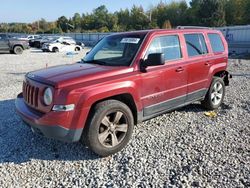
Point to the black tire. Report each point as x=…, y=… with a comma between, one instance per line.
x=55, y=50
x=18, y=50
x=95, y=128
x=37, y=44
x=213, y=97
x=11, y=52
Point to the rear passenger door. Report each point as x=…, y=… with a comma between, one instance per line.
x=165, y=86
x=198, y=66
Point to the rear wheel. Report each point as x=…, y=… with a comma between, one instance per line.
x=215, y=94
x=55, y=49
x=18, y=50
x=109, y=128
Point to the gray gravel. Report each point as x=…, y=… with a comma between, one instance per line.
x=183, y=148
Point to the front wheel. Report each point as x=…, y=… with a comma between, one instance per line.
x=215, y=94
x=109, y=128
x=18, y=50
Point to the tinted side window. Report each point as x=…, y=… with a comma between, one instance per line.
x=168, y=45
x=195, y=44
x=216, y=42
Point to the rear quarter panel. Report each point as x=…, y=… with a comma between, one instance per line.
x=220, y=60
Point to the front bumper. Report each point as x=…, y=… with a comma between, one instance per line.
x=32, y=119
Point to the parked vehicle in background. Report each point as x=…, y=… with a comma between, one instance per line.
x=61, y=46
x=38, y=43
x=12, y=45
x=29, y=37
x=34, y=42
x=68, y=40
x=80, y=44
x=125, y=79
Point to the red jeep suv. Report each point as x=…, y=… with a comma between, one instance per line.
x=125, y=79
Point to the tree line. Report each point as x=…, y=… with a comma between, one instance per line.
x=209, y=13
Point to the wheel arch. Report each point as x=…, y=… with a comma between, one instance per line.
x=55, y=48
x=78, y=48
x=224, y=75
x=15, y=45
x=125, y=98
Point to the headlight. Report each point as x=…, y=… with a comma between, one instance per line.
x=48, y=96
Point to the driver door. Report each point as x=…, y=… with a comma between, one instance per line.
x=164, y=87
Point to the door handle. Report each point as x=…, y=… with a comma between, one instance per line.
x=180, y=69
x=207, y=63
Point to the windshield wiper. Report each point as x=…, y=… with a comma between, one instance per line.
x=98, y=62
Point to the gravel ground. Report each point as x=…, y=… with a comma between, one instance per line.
x=183, y=148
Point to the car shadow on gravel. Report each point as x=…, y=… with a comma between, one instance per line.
x=6, y=53
x=39, y=52
x=197, y=107
x=194, y=107
x=19, y=144
x=17, y=73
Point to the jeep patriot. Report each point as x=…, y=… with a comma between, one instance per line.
x=125, y=79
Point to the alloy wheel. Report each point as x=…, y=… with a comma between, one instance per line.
x=113, y=129
x=217, y=93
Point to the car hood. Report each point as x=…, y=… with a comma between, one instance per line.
x=64, y=75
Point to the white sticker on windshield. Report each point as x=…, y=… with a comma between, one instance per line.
x=130, y=40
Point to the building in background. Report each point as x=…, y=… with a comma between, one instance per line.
x=238, y=38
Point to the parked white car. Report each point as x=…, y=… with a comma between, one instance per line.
x=29, y=37
x=61, y=46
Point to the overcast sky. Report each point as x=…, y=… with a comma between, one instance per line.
x=31, y=10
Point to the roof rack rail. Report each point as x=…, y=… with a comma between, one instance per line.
x=192, y=27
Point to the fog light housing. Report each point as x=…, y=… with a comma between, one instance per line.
x=63, y=108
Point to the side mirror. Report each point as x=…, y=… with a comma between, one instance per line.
x=155, y=59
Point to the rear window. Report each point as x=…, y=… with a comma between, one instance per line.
x=216, y=43
x=195, y=44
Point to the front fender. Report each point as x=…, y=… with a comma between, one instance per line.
x=91, y=96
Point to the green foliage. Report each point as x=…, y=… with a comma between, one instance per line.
x=175, y=13
x=237, y=12
x=62, y=23
x=211, y=13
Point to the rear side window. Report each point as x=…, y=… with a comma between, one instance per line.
x=168, y=45
x=216, y=43
x=196, y=44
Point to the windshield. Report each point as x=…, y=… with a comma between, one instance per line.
x=115, y=50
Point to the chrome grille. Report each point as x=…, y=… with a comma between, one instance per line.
x=30, y=94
